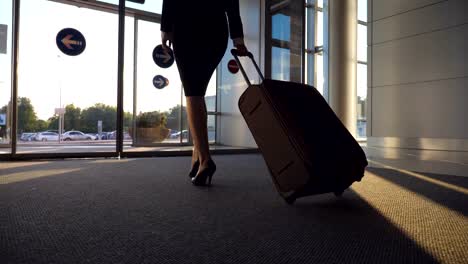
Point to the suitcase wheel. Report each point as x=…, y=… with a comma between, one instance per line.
x=338, y=193
x=290, y=199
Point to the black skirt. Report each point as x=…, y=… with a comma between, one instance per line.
x=199, y=45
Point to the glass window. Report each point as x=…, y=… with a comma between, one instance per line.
x=362, y=43
x=280, y=64
x=362, y=80
x=5, y=70
x=84, y=84
x=320, y=3
x=320, y=74
x=154, y=6
x=211, y=122
x=319, y=28
x=210, y=96
x=285, y=20
x=281, y=27
x=362, y=10
x=158, y=111
x=314, y=62
x=362, y=99
x=362, y=70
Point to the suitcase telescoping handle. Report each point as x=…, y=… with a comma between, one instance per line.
x=234, y=53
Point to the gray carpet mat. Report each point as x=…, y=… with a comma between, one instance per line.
x=147, y=211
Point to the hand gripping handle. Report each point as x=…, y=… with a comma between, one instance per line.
x=236, y=55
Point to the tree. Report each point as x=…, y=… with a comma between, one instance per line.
x=90, y=117
x=41, y=125
x=52, y=123
x=173, y=117
x=72, y=118
x=127, y=120
x=26, y=116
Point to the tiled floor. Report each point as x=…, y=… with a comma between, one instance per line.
x=430, y=161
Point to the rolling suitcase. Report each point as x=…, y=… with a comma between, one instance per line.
x=305, y=146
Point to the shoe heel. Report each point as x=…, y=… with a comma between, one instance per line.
x=205, y=176
x=194, y=169
x=209, y=179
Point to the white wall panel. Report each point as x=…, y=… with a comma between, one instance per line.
x=435, y=17
x=385, y=8
x=434, y=56
x=424, y=110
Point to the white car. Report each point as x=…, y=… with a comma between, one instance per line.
x=27, y=136
x=46, y=136
x=76, y=135
x=177, y=134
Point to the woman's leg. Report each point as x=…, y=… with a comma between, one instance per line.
x=197, y=118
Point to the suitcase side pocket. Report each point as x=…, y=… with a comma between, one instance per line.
x=286, y=166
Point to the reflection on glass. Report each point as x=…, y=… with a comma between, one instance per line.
x=280, y=64
x=158, y=111
x=281, y=27
x=211, y=128
x=362, y=100
x=362, y=43
x=286, y=34
x=186, y=137
x=210, y=96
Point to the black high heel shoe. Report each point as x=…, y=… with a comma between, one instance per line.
x=194, y=169
x=205, y=174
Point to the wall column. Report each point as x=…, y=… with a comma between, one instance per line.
x=342, y=60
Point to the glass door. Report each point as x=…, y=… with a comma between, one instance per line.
x=158, y=106
x=68, y=81
x=6, y=11
x=67, y=78
x=159, y=112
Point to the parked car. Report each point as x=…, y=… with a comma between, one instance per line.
x=178, y=133
x=46, y=136
x=93, y=136
x=104, y=135
x=76, y=135
x=26, y=136
x=113, y=135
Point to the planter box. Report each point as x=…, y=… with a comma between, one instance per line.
x=149, y=135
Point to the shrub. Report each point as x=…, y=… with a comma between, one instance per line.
x=151, y=119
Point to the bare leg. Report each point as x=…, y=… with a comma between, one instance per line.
x=197, y=117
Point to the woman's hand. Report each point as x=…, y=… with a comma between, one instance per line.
x=166, y=38
x=240, y=46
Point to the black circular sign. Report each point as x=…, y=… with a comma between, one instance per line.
x=160, y=81
x=70, y=41
x=163, y=58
